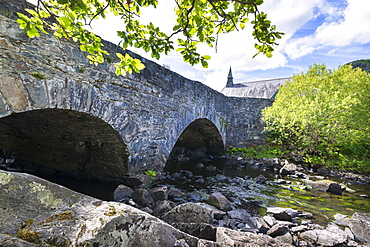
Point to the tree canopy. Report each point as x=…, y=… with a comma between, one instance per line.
x=198, y=21
x=324, y=115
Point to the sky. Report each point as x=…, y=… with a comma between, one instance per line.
x=333, y=32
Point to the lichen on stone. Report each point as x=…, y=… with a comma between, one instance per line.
x=5, y=178
x=26, y=233
x=47, y=198
x=112, y=211
x=56, y=242
x=57, y=218
x=37, y=187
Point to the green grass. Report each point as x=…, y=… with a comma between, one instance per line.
x=258, y=152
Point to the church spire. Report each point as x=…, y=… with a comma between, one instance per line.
x=230, y=79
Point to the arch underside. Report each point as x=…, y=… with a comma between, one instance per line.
x=200, y=138
x=63, y=142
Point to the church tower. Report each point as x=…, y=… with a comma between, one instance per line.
x=230, y=79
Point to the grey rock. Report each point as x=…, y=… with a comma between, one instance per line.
x=159, y=193
x=302, y=243
x=286, y=214
x=288, y=169
x=349, y=233
x=260, y=224
x=200, y=230
x=326, y=185
x=306, y=222
x=10, y=241
x=323, y=238
x=359, y=224
x=142, y=197
x=138, y=181
x=335, y=188
x=199, y=166
x=260, y=179
x=228, y=237
x=36, y=212
x=210, y=169
x=300, y=228
x=217, y=214
x=175, y=193
x=162, y=207
x=186, y=173
x=189, y=213
x=218, y=200
x=122, y=192
x=353, y=244
x=220, y=177
x=197, y=196
x=278, y=230
x=285, y=238
x=269, y=220
x=147, y=210
x=239, y=214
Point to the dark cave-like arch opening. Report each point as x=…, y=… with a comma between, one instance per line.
x=64, y=143
x=200, y=139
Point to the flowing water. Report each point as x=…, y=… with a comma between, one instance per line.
x=294, y=194
x=237, y=183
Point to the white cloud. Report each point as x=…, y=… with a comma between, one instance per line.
x=352, y=26
x=290, y=15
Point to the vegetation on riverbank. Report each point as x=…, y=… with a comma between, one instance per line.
x=321, y=116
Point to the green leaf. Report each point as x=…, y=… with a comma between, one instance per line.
x=196, y=21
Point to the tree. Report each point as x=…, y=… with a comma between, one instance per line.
x=199, y=21
x=324, y=115
x=364, y=64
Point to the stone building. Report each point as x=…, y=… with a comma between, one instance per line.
x=265, y=89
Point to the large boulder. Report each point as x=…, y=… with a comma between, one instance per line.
x=288, y=169
x=138, y=181
x=142, y=197
x=218, y=200
x=228, y=237
x=331, y=236
x=122, y=192
x=35, y=212
x=286, y=214
x=159, y=193
x=360, y=226
x=326, y=185
x=335, y=188
x=189, y=213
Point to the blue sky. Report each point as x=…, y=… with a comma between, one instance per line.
x=333, y=32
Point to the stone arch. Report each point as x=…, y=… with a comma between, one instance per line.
x=63, y=142
x=200, y=138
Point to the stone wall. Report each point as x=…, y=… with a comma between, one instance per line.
x=149, y=110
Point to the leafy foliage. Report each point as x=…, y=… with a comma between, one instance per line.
x=151, y=173
x=324, y=115
x=198, y=21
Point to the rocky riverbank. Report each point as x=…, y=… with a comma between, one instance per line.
x=183, y=208
x=199, y=204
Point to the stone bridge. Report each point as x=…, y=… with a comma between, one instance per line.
x=59, y=114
